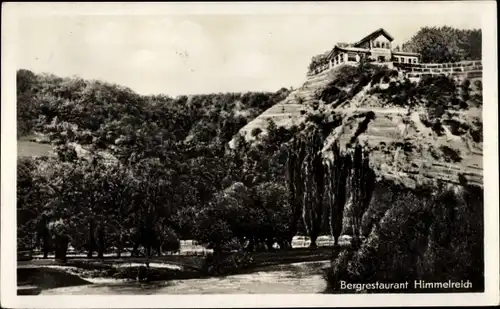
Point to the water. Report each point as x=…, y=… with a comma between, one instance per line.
x=306, y=277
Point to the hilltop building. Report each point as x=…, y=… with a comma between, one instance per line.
x=375, y=47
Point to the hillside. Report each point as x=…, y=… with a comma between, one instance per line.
x=394, y=161
x=98, y=161
x=390, y=155
x=96, y=116
x=403, y=143
x=290, y=111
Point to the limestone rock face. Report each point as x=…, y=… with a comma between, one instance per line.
x=404, y=150
x=401, y=147
x=290, y=111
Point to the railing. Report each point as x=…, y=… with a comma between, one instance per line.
x=327, y=67
x=469, y=69
x=440, y=67
x=319, y=69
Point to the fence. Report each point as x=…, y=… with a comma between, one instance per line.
x=463, y=69
x=318, y=70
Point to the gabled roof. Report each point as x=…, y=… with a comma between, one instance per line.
x=375, y=33
x=353, y=49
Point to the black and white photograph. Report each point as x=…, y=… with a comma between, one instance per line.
x=317, y=149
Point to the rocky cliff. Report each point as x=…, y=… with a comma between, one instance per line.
x=404, y=144
x=397, y=164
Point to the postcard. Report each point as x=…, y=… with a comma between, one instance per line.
x=316, y=154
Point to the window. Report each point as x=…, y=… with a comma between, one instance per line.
x=414, y=60
x=351, y=57
x=377, y=44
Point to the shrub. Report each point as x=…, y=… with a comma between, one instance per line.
x=457, y=127
x=434, y=152
x=354, y=78
x=423, y=235
x=256, y=131
x=170, y=243
x=318, y=61
x=450, y=154
x=382, y=74
x=478, y=84
x=476, y=132
x=332, y=94
x=317, y=118
x=437, y=127
x=338, y=271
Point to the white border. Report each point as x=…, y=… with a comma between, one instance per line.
x=10, y=11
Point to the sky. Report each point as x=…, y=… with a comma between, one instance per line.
x=185, y=53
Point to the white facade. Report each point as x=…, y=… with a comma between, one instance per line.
x=404, y=58
x=380, y=42
x=376, y=47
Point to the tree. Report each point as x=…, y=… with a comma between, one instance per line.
x=275, y=209
x=445, y=44
x=27, y=85
x=337, y=173
x=318, y=60
x=28, y=203
x=307, y=179
x=361, y=183
x=172, y=164
x=61, y=238
x=152, y=201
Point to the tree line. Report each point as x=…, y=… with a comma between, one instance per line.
x=155, y=169
x=171, y=174
x=445, y=44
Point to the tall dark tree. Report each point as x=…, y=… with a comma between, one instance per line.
x=445, y=44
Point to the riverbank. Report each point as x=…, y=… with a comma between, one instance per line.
x=294, y=278
x=49, y=273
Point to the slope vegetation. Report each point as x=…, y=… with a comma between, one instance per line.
x=415, y=132
x=100, y=116
x=397, y=164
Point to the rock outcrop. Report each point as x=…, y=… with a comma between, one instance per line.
x=402, y=146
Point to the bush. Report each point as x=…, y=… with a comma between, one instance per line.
x=476, y=132
x=318, y=61
x=457, y=127
x=432, y=237
x=355, y=78
x=383, y=74
x=450, y=154
x=256, y=131
x=338, y=271
x=317, y=118
x=437, y=127
x=227, y=264
x=478, y=84
x=332, y=94
x=171, y=243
